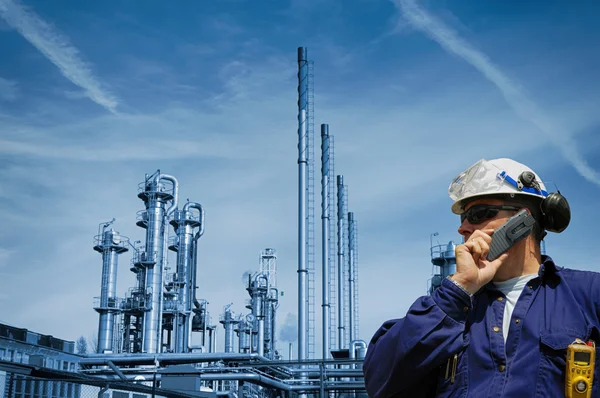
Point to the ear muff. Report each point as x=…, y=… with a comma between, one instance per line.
x=556, y=213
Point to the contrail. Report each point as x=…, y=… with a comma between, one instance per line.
x=523, y=106
x=57, y=49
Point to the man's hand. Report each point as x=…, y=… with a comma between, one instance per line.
x=473, y=271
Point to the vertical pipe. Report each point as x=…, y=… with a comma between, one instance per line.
x=107, y=317
x=351, y=276
x=340, y=274
x=184, y=253
x=155, y=198
x=274, y=304
x=213, y=341
x=302, y=163
x=229, y=336
x=268, y=321
x=325, y=235
x=154, y=248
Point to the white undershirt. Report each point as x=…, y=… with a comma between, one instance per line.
x=512, y=289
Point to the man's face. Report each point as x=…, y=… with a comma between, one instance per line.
x=484, y=217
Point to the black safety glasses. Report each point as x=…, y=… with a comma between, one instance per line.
x=479, y=213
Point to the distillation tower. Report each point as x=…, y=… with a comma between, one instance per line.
x=159, y=313
x=110, y=244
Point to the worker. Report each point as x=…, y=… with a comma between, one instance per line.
x=496, y=328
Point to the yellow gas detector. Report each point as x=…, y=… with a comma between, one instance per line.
x=579, y=372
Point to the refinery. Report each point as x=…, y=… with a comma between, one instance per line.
x=160, y=338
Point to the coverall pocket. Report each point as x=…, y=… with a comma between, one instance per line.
x=553, y=354
x=452, y=380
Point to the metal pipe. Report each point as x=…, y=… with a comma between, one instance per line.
x=265, y=381
x=116, y=370
x=325, y=235
x=274, y=305
x=166, y=358
x=259, y=296
x=175, y=203
x=340, y=273
x=351, y=331
x=302, y=164
x=291, y=373
x=269, y=382
x=359, y=345
x=213, y=339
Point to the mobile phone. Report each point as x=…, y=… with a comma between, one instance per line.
x=513, y=230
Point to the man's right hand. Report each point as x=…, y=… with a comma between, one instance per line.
x=473, y=271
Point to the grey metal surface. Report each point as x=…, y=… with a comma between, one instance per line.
x=325, y=238
x=351, y=291
x=340, y=273
x=302, y=163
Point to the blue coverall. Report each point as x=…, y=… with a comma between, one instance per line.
x=410, y=357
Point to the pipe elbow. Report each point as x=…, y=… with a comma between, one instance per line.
x=168, y=177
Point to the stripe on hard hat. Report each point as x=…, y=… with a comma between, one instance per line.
x=512, y=182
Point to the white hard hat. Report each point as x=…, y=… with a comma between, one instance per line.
x=495, y=177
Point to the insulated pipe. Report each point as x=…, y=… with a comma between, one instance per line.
x=325, y=235
x=302, y=165
x=340, y=273
x=351, y=293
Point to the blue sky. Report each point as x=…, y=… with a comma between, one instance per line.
x=93, y=95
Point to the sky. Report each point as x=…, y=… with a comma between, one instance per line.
x=95, y=95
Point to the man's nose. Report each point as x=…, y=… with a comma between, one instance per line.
x=465, y=229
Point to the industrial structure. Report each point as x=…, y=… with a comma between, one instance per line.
x=150, y=334
x=157, y=318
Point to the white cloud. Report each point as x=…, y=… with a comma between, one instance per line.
x=58, y=49
x=514, y=95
